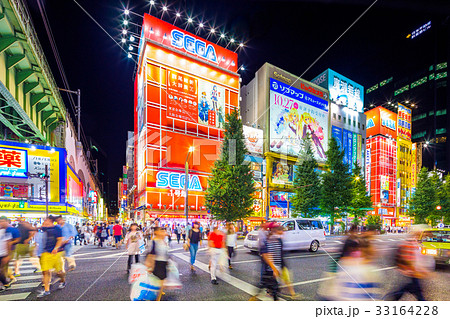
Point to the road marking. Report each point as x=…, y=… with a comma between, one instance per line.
x=25, y=285
x=24, y=278
x=337, y=241
x=289, y=257
x=377, y=239
x=11, y=297
x=392, y=239
x=240, y=284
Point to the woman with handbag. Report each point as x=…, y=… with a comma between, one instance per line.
x=132, y=244
x=231, y=242
x=193, y=241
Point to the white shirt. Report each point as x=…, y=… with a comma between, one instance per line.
x=4, y=238
x=231, y=240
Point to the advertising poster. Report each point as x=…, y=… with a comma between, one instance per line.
x=9, y=190
x=404, y=122
x=278, y=212
x=384, y=189
x=194, y=100
x=182, y=96
x=282, y=173
x=345, y=145
x=253, y=139
x=141, y=107
x=336, y=132
x=293, y=115
x=359, y=150
x=13, y=162
x=354, y=149
x=368, y=160
x=74, y=189
x=345, y=92
x=398, y=195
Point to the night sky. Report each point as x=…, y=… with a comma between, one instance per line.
x=288, y=34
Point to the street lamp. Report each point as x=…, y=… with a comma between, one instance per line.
x=186, y=182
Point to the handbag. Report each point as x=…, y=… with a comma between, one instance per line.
x=186, y=246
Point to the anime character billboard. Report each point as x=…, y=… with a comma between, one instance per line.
x=211, y=104
x=294, y=114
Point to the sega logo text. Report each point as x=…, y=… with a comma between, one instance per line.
x=193, y=46
x=176, y=180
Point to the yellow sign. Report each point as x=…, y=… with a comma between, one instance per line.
x=39, y=208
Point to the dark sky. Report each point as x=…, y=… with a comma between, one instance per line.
x=288, y=34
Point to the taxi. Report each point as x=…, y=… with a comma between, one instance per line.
x=436, y=242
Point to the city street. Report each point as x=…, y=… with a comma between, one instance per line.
x=101, y=275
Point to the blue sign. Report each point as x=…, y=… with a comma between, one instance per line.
x=336, y=132
x=176, y=180
x=349, y=150
x=343, y=91
x=345, y=145
x=298, y=95
x=370, y=123
x=193, y=45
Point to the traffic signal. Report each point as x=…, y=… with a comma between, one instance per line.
x=22, y=204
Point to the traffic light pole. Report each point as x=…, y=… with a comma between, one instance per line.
x=46, y=190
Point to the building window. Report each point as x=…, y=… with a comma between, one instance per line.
x=363, y=127
x=441, y=131
x=339, y=117
x=441, y=112
x=354, y=123
x=345, y=120
x=431, y=113
x=334, y=115
x=363, y=139
x=419, y=135
x=359, y=125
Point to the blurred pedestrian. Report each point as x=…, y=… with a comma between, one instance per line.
x=117, y=231
x=132, y=240
x=157, y=256
x=273, y=261
x=104, y=234
x=5, y=239
x=24, y=247
x=183, y=234
x=216, y=242
x=168, y=231
x=194, y=239
x=412, y=265
x=69, y=233
x=51, y=255
x=178, y=233
x=15, y=238
x=231, y=242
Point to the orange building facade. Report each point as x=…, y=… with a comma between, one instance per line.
x=184, y=87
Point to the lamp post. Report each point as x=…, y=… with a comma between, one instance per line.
x=186, y=183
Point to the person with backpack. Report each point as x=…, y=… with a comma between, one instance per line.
x=194, y=239
x=132, y=243
x=178, y=232
x=413, y=266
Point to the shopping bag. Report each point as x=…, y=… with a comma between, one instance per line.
x=141, y=246
x=146, y=288
x=137, y=271
x=285, y=276
x=173, y=277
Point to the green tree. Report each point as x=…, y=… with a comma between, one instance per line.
x=424, y=201
x=230, y=188
x=444, y=199
x=360, y=202
x=336, y=184
x=306, y=183
x=374, y=222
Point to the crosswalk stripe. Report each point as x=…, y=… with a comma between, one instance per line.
x=11, y=297
x=24, y=286
x=25, y=278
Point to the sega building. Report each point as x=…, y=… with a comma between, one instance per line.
x=381, y=163
x=184, y=87
x=347, y=118
x=287, y=109
x=23, y=196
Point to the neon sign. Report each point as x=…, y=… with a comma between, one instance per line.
x=176, y=180
x=13, y=162
x=388, y=123
x=193, y=45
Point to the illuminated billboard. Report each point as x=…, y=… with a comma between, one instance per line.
x=294, y=114
x=343, y=91
x=13, y=163
x=404, y=122
x=74, y=189
x=37, y=157
x=381, y=121
x=253, y=139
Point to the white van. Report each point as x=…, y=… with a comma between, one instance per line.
x=299, y=233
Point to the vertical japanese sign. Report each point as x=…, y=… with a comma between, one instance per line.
x=368, y=160
x=345, y=145
x=354, y=149
x=359, y=150
x=404, y=122
x=398, y=192
x=413, y=164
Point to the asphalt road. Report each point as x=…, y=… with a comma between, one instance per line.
x=101, y=275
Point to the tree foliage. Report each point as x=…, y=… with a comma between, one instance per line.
x=230, y=188
x=306, y=183
x=360, y=202
x=336, y=183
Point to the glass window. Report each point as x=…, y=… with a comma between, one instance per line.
x=363, y=126
x=359, y=125
x=339, y=117
x=316, y=224
x=288, y=226
x=345, y=120
x=354, y=123
x=334, y=115
x=436, y=236
x=304, y=224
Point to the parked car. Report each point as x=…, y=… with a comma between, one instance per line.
x=300, y=233
x=436, y=242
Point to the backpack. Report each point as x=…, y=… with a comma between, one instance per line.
x=104, y=233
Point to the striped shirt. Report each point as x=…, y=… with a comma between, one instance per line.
x=273, y=247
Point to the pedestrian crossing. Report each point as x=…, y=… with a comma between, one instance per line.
x=376, y=239
x=25, y=284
